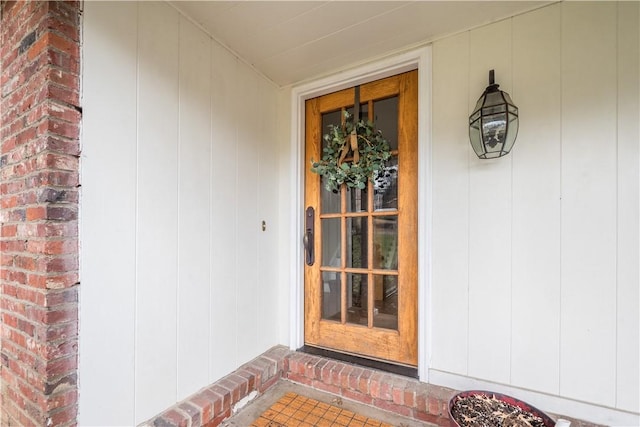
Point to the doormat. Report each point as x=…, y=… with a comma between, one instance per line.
x=293, y=410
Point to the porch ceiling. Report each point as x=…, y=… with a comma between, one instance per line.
x=293, y=41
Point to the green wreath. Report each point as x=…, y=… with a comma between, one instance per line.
x=369, y=153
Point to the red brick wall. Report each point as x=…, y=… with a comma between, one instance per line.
x=39, y=154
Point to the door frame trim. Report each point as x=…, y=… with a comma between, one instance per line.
x=419, y=59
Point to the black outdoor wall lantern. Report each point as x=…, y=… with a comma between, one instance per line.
x=493, y=125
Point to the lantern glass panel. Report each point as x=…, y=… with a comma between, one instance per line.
x=507, y=98
x=475, y=138
x=494, y=98
x=479, y=104
x=494, y=109
x=494, y=128
x=513, y=132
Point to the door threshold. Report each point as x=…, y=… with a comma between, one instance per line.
x=404, y=370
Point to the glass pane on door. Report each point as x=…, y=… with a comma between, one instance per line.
x=331, y=238
x=357, y=291
x=385, y=242
x=386, y=187
x=357, y=242
x=330, y=201
x=357, y=200
x=385, y=314
x=331, y=292
x=386, y=119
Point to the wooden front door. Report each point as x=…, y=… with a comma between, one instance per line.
x=361, y=290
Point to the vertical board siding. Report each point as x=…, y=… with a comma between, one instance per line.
x=288, y=192
x=108, y=217
x=247, y=173
x=588, y=203
x=178, y=287
x=490, y=217
x=628, y=310
x=157, y=216
x=224, y=194
x=450, y=176
x=194, y=209
x=535, y=301
x=269, y=305
x=552, y=235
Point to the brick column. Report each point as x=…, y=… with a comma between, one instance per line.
x=39, y=155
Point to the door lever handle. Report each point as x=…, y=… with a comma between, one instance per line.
x=307, y=239
x=308, y=247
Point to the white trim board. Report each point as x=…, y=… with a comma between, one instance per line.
x=545, y=402
x=419, y=59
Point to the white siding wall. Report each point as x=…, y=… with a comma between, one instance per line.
x=179, y=168
x=535, y=278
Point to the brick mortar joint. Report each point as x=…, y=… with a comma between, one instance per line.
x=47, y=380
x=46, y=274
x=30, y=190
x=40, y=190
x=62, y=86
x=45, y=73
x=37, y=172
x=47, y=133
x=38, y=324
x=48, y=104
x=39, y=256
x=32, y=160
x=45, y=205
x=76, y=108
x=36, y=239
x=34, y=157
x=29, y=304
x=42, y=221
x=27, y=191
x=43, y=70
x=181, y=411
x=45, y=293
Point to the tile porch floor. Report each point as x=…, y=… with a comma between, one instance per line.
x=292, y=405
